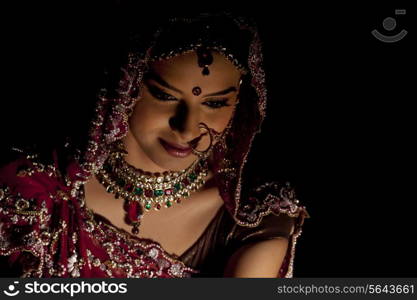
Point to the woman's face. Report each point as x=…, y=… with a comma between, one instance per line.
x=175, y=98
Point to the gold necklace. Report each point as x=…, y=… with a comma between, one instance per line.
x=142, y=189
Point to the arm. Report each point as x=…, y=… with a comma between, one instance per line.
x=258, y=260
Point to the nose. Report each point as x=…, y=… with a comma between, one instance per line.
x=185, y=122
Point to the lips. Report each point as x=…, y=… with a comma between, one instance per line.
x=175, y=149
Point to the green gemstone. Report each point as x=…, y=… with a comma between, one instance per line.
x=110, y=189
x=138, y=191
x=177, y=187
x=158, y=192
x=107, y=168
x=169, y=203
x=148, y=206
x=192, y=177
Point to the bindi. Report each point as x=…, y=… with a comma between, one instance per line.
x=196, y=91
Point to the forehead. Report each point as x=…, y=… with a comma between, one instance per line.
x=183, y=72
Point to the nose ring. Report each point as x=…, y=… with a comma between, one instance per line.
x=212, y=134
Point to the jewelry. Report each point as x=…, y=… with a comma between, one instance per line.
x=192, y=47
x=214, y=135
x=149, y=189
x=204, y=154
x=205, y=58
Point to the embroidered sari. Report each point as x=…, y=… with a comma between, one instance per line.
x=46, y=229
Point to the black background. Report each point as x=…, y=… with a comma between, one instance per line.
x=339, y=123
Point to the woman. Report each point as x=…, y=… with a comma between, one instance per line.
x=159, y=190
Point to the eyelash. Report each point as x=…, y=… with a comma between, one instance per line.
x=162, y=96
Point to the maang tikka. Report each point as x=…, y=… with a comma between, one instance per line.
x=205, y=59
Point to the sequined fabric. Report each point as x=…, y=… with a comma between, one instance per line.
x=45, y=232
x=65, y=239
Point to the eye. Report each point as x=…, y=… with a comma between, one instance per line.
x=159, y=94
x=216, y=104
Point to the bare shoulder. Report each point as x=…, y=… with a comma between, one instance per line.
x=258, y=260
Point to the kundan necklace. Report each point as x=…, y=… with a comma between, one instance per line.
x=147, y=190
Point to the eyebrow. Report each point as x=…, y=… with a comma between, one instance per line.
x=162, y=82
x=158, y=79
x=221, y=93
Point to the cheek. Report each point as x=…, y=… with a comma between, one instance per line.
x=147, y=119
x=219, y=120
